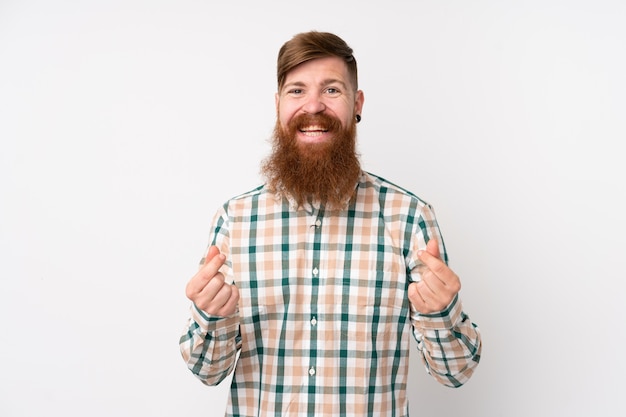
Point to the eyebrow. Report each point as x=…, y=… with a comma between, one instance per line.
x=326, y=82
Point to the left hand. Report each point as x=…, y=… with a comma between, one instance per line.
x=439, y=284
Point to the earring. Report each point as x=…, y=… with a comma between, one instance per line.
x=358, y=118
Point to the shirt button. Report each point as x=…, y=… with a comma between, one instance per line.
x=311, y=371
x=313, y=321
x=318, y=223
x=315, y=271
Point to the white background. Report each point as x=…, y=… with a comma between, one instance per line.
x=125, y=124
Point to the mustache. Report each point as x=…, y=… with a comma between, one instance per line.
x=324, y=121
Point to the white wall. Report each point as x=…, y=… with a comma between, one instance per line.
x=125, y=124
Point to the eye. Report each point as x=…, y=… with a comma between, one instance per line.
x=332, y=91
x=295, y=91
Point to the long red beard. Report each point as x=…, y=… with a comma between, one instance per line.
x=324, y=173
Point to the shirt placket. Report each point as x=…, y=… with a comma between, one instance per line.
x=313, y=316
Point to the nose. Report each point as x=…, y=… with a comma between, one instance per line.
x=314, y=104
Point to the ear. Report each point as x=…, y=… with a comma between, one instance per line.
x=359, y=99
x=276, y=101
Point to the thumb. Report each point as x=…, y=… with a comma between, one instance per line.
x=213, y=251
x=432, y=247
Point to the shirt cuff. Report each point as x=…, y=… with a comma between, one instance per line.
x=443, y=320
x=210, y=323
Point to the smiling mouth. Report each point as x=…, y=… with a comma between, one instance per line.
x=313, y=130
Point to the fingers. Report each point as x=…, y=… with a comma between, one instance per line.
x=416, y=299
x=218, y=298
x=431, y=257
x=208, y=289
x=231, y=305
x=435, y=272
x=438, y=284
x=212, y=263
x=212, y=292
x=425, y=300
x=432, y=247
x=213, y=251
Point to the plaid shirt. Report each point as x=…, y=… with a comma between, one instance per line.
x=324, y=321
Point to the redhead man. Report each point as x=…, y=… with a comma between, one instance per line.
x=314, y=282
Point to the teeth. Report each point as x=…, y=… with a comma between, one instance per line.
x=312, y=129
x=313, y=133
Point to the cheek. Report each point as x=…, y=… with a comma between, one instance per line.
x=345, y=113
x=284, y=115
x=283, y=118
x=346, y=119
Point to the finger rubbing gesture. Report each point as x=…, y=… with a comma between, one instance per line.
x=208, y=289
x=439, y=284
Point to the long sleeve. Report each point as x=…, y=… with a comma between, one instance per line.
x=449, y=343
x=209, y=345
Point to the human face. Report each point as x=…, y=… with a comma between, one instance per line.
x=318, y=86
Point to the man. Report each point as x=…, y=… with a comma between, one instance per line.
x=314, y=282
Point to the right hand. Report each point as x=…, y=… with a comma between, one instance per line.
x=207, y=288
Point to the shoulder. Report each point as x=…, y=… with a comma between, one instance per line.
x=250, y=200
x=255, y=192
x=390, y=191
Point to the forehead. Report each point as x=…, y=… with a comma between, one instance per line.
x=319, y=70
